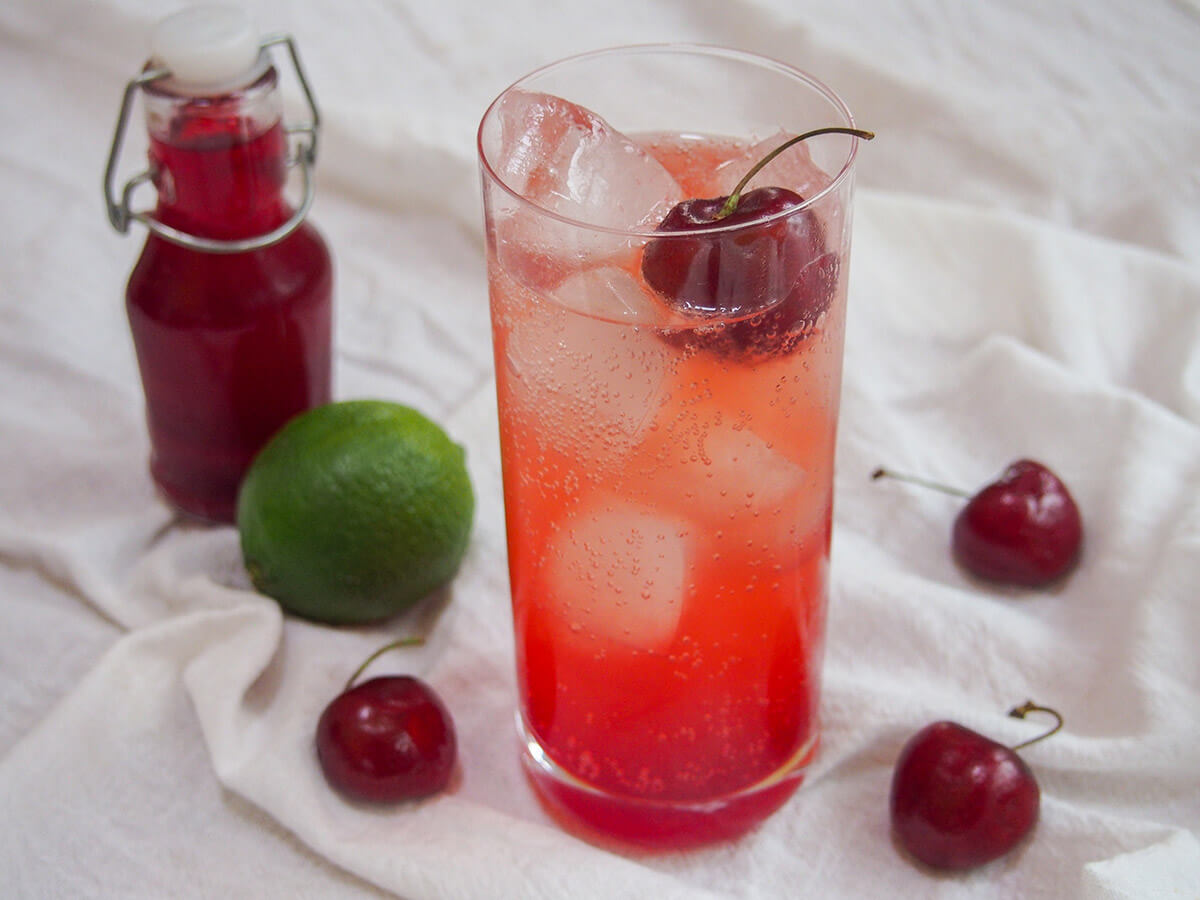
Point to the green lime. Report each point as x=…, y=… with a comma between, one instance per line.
x=354, y=511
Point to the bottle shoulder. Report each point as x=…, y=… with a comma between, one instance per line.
x=177, y=283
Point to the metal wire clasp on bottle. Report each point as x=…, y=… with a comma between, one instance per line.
x=120, y=212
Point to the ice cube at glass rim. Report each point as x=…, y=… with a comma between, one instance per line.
x=667, y=102
x=578, y=190
x=569, y=162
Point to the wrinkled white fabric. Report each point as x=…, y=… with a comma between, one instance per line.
x=1026, y=282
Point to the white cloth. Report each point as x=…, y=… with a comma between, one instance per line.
x=1025, y=283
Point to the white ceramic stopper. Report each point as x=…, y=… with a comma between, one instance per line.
x=207, y=47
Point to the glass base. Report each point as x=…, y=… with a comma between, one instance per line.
x=602, y=817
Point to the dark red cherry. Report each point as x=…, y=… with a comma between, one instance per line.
x=386, y=740
x=754, y=265
x=772, y=279
x=1022, y=529
x=960, y=799
x=742, y=267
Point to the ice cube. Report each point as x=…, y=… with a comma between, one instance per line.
x=619, y=572
x=570, y=162
x=590, y=387
x=745, y=494
x=789, y=402
x=613, y=294
x=793, y=169
x=746, y=475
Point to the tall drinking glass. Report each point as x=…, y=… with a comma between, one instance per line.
x=668, y=400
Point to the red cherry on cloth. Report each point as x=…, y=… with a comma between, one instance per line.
x=960, y=799
x=1023, y=529
x=386, y=740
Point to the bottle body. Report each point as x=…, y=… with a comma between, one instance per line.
x=229, y=345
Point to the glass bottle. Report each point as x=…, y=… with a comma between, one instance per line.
x=230, y=302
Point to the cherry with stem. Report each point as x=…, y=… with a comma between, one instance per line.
x=960, y=799
x=753, y=261
x=388, y=739
x=1022, y=529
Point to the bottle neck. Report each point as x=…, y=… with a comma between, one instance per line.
x=220, y=163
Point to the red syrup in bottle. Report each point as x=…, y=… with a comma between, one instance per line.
x=230, y=345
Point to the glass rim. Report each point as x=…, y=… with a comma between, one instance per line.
x=682, y=48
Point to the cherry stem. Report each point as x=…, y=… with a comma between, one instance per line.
x=402, y=642
x=736, y=196
x=913, y=479
x=1019, y=712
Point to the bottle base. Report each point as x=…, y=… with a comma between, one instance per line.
x=604, y=818
x=212, y=508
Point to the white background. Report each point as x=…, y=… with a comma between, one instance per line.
x=1024, y=283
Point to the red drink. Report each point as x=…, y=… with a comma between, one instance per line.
x=230, y=345
x=668, y=476
x=669, y=641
